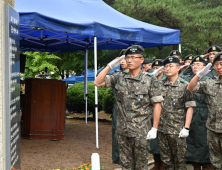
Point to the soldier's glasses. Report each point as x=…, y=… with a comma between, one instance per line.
x=196, y=65
x=131, y=58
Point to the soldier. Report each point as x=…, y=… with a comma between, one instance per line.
x=211, y=52
x=154, y=147
x=176, y=115
x=147, y=64
x=188, y=59
x=134, y=95
x=212, y=88
x=179, y=56
x=197, y=149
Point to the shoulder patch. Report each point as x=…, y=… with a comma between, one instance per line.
x=150, y=74
x=182, y=80
x=156, y=84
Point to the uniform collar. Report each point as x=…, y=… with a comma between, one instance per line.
x=138, y=77
x=176, y=83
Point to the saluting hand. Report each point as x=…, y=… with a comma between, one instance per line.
x=204, y=71
x=116, y=62
x=158, y=71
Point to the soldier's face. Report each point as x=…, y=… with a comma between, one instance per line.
x=211, y=56
x=123, y=64
x=147, y=67
x=171, y=69
x=187, y=62
x=134, y=61
x=197, y=66
x=218, y=67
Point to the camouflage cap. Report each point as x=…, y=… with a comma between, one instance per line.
x=157, y=62
x=122, y=52
x=147, y=61
x=134, y=49
x=175, y=52
x=198, y=59
x=189, y=57
x=171, y=59
x=217, y=57
x=214, y=48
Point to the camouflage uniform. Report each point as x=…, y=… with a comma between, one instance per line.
x=134, y=97
x=212, y=88
x=172, y=121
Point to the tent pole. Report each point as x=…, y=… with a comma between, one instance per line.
x=85, y=83
x=96, y=93
x=180, y=48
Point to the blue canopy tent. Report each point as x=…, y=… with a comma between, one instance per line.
x=91, y=76
x=79, y=25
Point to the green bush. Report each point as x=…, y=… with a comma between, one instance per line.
x=75, y=97
x=108, y=101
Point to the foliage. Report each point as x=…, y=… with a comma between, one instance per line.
x=108, y=101
x=198, y=20
x=75, y=97
x=36, y=63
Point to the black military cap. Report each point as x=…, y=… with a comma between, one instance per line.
x=214, y=48
x=147, y=61
x=217, y=57
x=175, y=52
x=189, y=57
x=134, y=49
x=198, y=59
x=171, y=59
x=157, y=62
x=122, y=52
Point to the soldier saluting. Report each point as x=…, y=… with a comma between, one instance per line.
x=135, y=93
x=212, y=88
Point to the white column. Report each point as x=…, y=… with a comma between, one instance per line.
x=85, y=83
x=180, y=48
x=96, y=92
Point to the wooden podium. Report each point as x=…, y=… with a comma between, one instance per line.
x=44, y=109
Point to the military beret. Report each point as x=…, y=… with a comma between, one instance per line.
x=122, y=52
x=189, y=57
x=171, y=59
x=134, y=49
x=217, y=57
x=214, y=48
x=147, y=61
x=157, y=62
x=198, y=59
x=175, y=52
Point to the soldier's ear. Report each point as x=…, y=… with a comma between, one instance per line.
x=142, y=60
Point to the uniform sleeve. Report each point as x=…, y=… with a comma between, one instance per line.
x=200, y=88
x=111, y=80
x=189, y=99
x=155, y=92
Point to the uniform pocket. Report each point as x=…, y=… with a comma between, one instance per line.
x=177, y=100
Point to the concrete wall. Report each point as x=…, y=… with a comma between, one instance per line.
x=2, y=95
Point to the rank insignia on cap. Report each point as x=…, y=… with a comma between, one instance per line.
x=170, y=59
x=197, y=59
x=174, y=52
x=213, y=48
x=220, y=56
x=156, y=62
x=133, y=49
x=190, y=57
